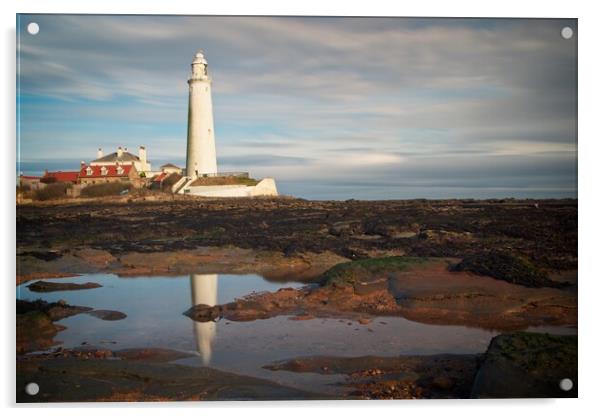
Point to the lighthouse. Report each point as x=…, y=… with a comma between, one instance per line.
x=200, y=151
x=201, y=162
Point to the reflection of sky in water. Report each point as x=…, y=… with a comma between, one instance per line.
x=154, y=306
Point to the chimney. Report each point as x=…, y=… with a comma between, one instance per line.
x=142, y=156
x=119, y=151
x=99, y=153
x=125, y=149
x=82, y=164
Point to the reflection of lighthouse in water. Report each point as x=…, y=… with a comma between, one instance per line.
x=203, y=288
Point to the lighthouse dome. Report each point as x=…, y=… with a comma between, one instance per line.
x=199, y=58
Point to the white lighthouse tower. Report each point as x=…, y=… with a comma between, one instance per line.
x=200, y=153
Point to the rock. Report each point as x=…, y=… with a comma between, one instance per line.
x=376, y=226
x=87, y=379
x=527, y=365
x=103, y=353
x=423, y=290
x=443, y=383
x=291, y=250
x=368, y=273
x=203, y=313
x=364, y=321
x=54, y=310
x=107, y=315
x=510, y=267
x=41, y=286
x=158, y=355
x=98, y=258
x=301, y=317
x=435, y=376
x=43, y=255
x=344, y=228
x=56, y=313
x=457, y=229
x=366, y=288
x=35, y=331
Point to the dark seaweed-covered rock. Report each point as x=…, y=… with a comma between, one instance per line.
x=367, y=270
x=35, y=323
x=42, y=255
x=41, y=286
x=520, y=365
x=35, y=331
x=510, y=267
x=203, y=313
x=547, y=235
x=54, y=310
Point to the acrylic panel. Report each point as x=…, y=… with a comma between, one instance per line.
x=295, y=208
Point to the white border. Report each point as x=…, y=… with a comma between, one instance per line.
x=590, y=70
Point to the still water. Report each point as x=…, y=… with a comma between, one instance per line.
x=154, y=307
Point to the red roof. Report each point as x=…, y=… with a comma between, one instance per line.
x=160, y=177
x=111, y=170
x=60, y=176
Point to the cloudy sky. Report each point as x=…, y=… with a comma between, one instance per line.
x=333, y=108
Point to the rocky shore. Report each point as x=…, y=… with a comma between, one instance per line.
x=516, y=365
x=36, y=322
x=283, y=235
x=503, y=265
x=419, y=289
x=96, y=375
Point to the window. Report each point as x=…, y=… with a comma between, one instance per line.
x=103, y=170
x=89, y=171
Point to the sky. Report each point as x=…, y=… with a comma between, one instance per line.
x=332, y=108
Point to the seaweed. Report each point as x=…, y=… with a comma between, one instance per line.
x=511, y=267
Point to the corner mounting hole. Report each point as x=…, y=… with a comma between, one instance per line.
x=33, y=28
x=32, y=389
x=566, y=32
x=566, y=384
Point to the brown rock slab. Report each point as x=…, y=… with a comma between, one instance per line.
x=301, y=317
x=94, y=380
x=41, y=286
x=159, y=355
x=107, y=315
x=403, y=377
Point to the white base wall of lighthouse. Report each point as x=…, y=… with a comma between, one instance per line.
x=265, y=187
